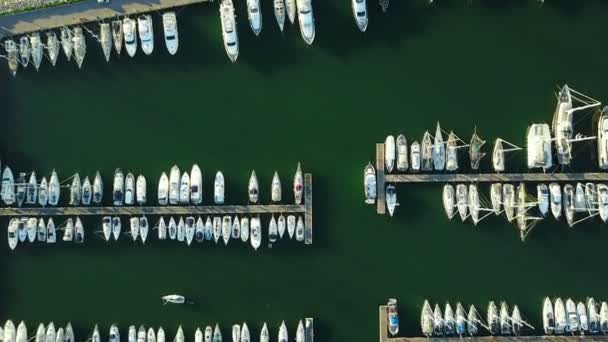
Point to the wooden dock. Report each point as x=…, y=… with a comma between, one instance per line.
x=382, y=177
x=383, y=325
x=81, y=13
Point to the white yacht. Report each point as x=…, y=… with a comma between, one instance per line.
x=449, y=321
x=438, y=322
x=87, y=191
x=151, y=335
x=473, y=321
x=171, y=34
x=163, y=189
x=542, y=195
x=290, y=8
x=118, y=35
x=54, y=189
x=24, y=51
x=452, y=153
x=402, y=153
x=146, y=33
x=306, y=20
x=129, y=189
x=572, y=317
x=291, y=225
x=255, y=233
x=31, y=189
x=162, y=229
x=78, y=231
x=36, y=48
x=474, y=203
x=493, y=319
x=273, y=232
x=602, y=198
x=279, y=13
x=31, y=229
x=462, y=200
x=190, y=228
x=548, y=317
x=438, y=152
x=51, y=234
x=245, y=229
x=461, y=319
x=427, y=152
x=21, y=333
x=129, y=29
x=281, y=225
x=389, y=153
x=562, y=126
x=8, y=187
x=505, y=319
x=52, y=45
x=184, y=189
x=254, y=13
x=226, y=228
x=561, y=321
x=172, y=228
x=181, y=230
x=449, y=200
x=236, y=333
x=556, y=200
x=174, y=185
x=134, y=225
x=143, y=228
x=97, y=188
x=208, y=334
x=51, y=334
x=229, y=32
x=140, y=190
x=583, y=319
x=116, y=227
x=105, y=38
x=496, y=197
x=264, y=336
x=196, y=185
x=106, y=227
x=369, y=182
x=43, y=192
x=360, y=13
x=217, y=228
x=253, y=188
x=217, y=334
x=41, y=231
x=114, y=335
x=391, y=199
x=300, y=229
x=593, y=316
x=13, y=239
x=67, y=45
x=539, y=147
x=12, y=55
x=80, y=47
x=298, y=185
x=218, y=188
x=275, y=189
x=475, y=150
x=603, y=318
x=498, y=156
x=199, y=233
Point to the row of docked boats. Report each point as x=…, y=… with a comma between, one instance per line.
x=31, y=192
x=32, y=229
x=282, y=9
x=574, y=318
x=43, y=333
x=434, y=153
x=30, y=49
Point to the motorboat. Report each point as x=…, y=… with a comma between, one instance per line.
x=67, y=44
x=12, y=55
x=116, y=227
x=542, y=194
x=8, y=187
x=218, y=188
x=106, y=227
x=539, y=147
x=51, y=334
x=452, y=153
x=281, y=225
x=415, y=156
x=505, y=319
x=199, y=232
x=461, y=320
x=254, y=13
x=438, y=323
x=184, y=189
x=279, y=13
x=273, y=232
x=20, y=186
x=51, y=234
x=87, y=191
x=181, y=230
x=208, y=334
x=369, y=180
x=217, y=228
x=129, y=189
x=496, y=197
x=53, y=46
x=253, y=188
x=162, y=229
x=141, y=334
x=473, y=321
x=134, y=225
x=298, y=185
x=579, y=198
x=75, y=191
x=562, y=126
x=229, y=32
x=548, y=317
x=36, y=48
x=449, y=200
x=118, y=187
x=360, y=13
x=556, y=200
x=560, y=317
x=190, y=228
x=31, y=229
x=236, y=333
x=97, y=188
x=255, y=234
x=41, y=231
x=130, y=35
x=54, y=189
x=146, y=33
x=493, y=319
x=170, y=30
x=572, y=317
x=517, y=323
x=143, y=228
x=300, y=229
x=140, y=190
x=244, y=229
x=283, y=336
x=449, y=321
x=105, y=38
x=438, y=152
x=173, y=299
x=602, y=139
x=290, y=8
x=43, y=192
x=402, y=152
x=462, y=200
x=31, y=189
x=427, y=152
x=132, y=334
x=275, y=189
x=593, y=316
x=498, y=156
x=196, y=185
x=391, y=199
x=475, y=150
x=508, y=201
x=114, y=335
x=163, y=189
x=306, y=20
x=583, y=319
x=602, y=199
x=172, y=228
x=226, y=228
x=217, y=334
x=426, y=319
x=117, y=35
x=174, y=185
x=291, y=225
x=389, y=153
x=474, y=203
x=24, y=51
x=13, y=239
x=80, y=48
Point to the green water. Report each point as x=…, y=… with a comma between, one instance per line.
x=491, y=65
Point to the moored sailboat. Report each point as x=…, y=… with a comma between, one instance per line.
x=438, y=152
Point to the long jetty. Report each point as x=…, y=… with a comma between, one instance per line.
x=382, y=177
x=305, y=208
x=383, y=324
x=79, y=13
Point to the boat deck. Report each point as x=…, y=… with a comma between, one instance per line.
x=80, y=13
x=383, y=312
x=383, y=177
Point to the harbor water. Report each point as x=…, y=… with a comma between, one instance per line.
x=495, y=65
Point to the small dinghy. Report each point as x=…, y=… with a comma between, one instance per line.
x=253, y=188
x=273, y=232
x=226, y=228
x=449, y=200
x=8, y=187
x=117, y=35
x=134, y=225
x=12, y=55
x=462, y=199
x=217, y=228
x=542, y=194
x=452, y=153
x=474, y=203
x=106, y=227
x=275, y=189
x=508, y=198
x=172, y=229
x=579, y=198
x=560, y=317
x=140, y=190
x=281, y=225
x=170, y=29
x=162, y=229
x=505, y=319
x=298, y=185
x=473, y=321
x=496, y=197
x=118, y=188
x=449, y=321
x=389, y=153
x=78, y=231
x=199, y=233
x=97, y=189
x=291, y=225
x=66, y=42
x=130, y=189
x=41, y=231
x=300, y=229
x=189, y=231
x=24, y=51
x=556, y=200
x=306, y=20
x=402, y=152
x=236, y=228
x=568, y=203
x=415, y=156
x=438, y=326
x=602, y=199
x=218, y=188
x=548, y=317
x=244, y=229
x=493, y=319
x=360, y=13
x=146, y=34
x=438, y=152
x=279, y=13
x=52, y=45
x=181, y=230
x=591, y=198
x=116, y=227
x=236, y=333
x=391, y=199
x=20, y=189
x=163, y=189
x=87, y=191
x=75, y=191
x=254, y=14
x=256, y=233
x=229, y=32
x=290, y=8
x=51, y=234
x=105, y=38
x=426, y=320
x=130, y=35
x=31, y=189
x=143, y=228
x=196, y=185
x=80, y=47
x=427, y=152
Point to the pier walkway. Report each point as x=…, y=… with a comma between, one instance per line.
x=382, y=178
x=80, y=13
x=383, y=324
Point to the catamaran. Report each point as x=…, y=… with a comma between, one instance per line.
x=80, y=47
x=146, y=33
x=105, y=38
x=129, y=29
x=427, y=152
x=253, y=188
x=498, y=156
x=24, y=51
x=298, y=185
x=449, y=321
x=163, y=189
x=279, y=13
x=360, y=13
x=539, y=147
x=52, y=44
x=426, y=319
x=438, y=152
x=8, y=187
x=448, y=200
x=602, y=198
x=493, y=319
x=87, y=191
x=542, y=194
x=174, y=185
x=562, y=125
x=254, y=13
x=12, y=55
x=474, y=203
x=391, y=199
x=118, y=35
x=218, y=189
x=462, y=199
x=475, y=152
x=290, y=8
x=556, y=200
x=184, y=189
x=196, y=185
x=170, y=30
x=97, y=188
x=402, y=155
x=496, y=197
x=389, y=153
x=548, y=317
x=452, y=153
x=36, y=49
x=130, y=189
x=67, y=44
x=508, y=197
x=560, y=316
x=306, y=20
x=229, y=33
x=75, y=191
x=415, y=156
x=118, y=187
